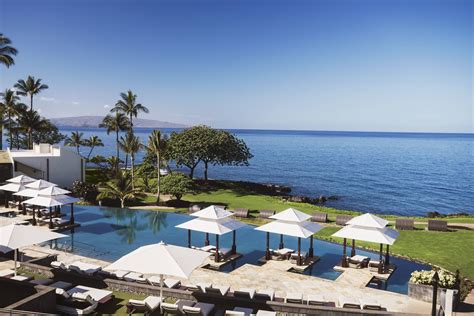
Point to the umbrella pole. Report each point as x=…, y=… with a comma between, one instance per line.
x=299, y=252
x=19, y=204
x=353, y=250
x=234, y=246
x=34, y=217
x=16, y=256
x=344, y=260
x=189, y=238
x=281, y=245
x=206, y=242
x=161, y=289
x=50, y=219
x=216, y=257
x=311, y=251
x=267, y=252
x=72, y=214
x=6, y=198
x=380, y=269
x=387, y=257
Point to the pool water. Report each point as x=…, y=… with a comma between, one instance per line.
x=109, y=233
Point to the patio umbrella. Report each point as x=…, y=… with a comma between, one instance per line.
x=53, y=201
x=16, y=184
x=53, y=191
x=291, y=222
x=21, y=179
x=161, y=259
x=40, y=184
x=13, y=237
x=368, y=220
x=213, y=220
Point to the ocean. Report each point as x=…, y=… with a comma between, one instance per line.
x=386, y=173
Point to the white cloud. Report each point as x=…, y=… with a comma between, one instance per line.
x=47, y=99
x=39, y=110
x=106, y=106
x=75, y=103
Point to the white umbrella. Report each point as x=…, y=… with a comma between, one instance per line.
x=51, y=201
x=13, y=237
x=12, y=187
x=21, y=179
x=368, y=220
x=53, y=190
x=27, y=193
x=291, y=215
x=386, y=236
x=161, y=259
x=212, y=212
x=40, y=184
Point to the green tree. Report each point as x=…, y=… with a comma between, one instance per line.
x=7, y=51
x=231, y=150
x=120, y=188
x=48, y=134
x=176, y=184
x=93, y=142
x=75, y=140
x=157, y=146
x=184, y=148
x=30, y=88
x=128, y=105
x=115, y=123
x=11, y=106
x=131, y=146
x=29, y=122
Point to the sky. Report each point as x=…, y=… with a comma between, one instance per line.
x=346, y=65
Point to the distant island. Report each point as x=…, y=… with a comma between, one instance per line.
x=94, y=121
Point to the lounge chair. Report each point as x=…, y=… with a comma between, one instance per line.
x=241, y=212
x=266, y=213
x=77, y=306
x=346, y=302
x=295, y=298
x=374, y=265
x=224, y=253
x=13, y=204
x=135, y=277
x=358, y=261
x=202, y=309
x=59, y=222
x=239, y=311
x=343, y=219
x=207, y=248
x=437, y=225
x=84, y=268
x=316, y=299
x=194, y=208
x=199, y=288
x=148, y=305
x=245, y=293
x=370, y=304
x=168, y=282
x=58, y=265
x=99, y=295
x=319, y=217
x=404, y=224
x=61, y=288
x=177, y=308
x=294, y=256
x=120, y=274
x=265, y=295
x=265, y=313
x=221, y=290
x=6, y=273
x=283, y=253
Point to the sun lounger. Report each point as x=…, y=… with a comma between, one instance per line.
x=13, y=204
x=61, y=288
x=343, y=219
x=239, y=311
x=266, y=213
x=169, y=283
x=347, y=302
x=208, y=248
x=21, y=278
x=77, y=307
x=202, y=309
x=374, y=265
x=295, y=298
x=98, y=295
x=218, y=290
x=84, y=268
x=437, y=225
x=194, y=208
x=58, y=265
x=58, y=222
x=404, y=224
x=199, y=287
x=120, y=274
x=283, y=253
x=319, y=217
x=358, y=261
x=148, y=305
x=224, y=253
x=6, y=273
x=294, y=256
x=245, y=293
x=265, y=313
x=265, y=295
x=316, y=299
x=241, y=212
x=177, y=308
x=370, y=304
x=135, y=277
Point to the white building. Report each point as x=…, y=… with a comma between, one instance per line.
x=52, y=163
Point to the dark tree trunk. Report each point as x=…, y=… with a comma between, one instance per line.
x=205, y=170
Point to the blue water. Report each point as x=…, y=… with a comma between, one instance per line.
x=406, y=174
x=109, y=233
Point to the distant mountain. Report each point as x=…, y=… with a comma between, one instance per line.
x=94, y=121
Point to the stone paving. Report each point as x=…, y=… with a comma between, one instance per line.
x=274, y=275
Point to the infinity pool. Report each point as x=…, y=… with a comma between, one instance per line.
x=109, y=233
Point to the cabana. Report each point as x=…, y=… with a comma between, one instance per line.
x=14, y=185
x=291, y=222
x=31, y=190
x=13, y=237
x=51, y=201
x=213, y=220
x=382, y=236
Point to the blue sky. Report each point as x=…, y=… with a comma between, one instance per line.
x=392, y=65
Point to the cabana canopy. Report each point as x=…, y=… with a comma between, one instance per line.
x=296, y=229
x=386, y=236
x=291, y=215
x=217, y=227
x=31, y=193
x=368, y=220
x=212, y=212
x=53, y=191
x=21, y=179
x=51, y=201
x=40, y=184
x=12, y=187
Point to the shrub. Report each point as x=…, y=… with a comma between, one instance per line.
x=84, y=190
x=446, y=279
x=176, y=184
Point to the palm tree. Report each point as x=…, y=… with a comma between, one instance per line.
x=6, y=51
x=75, y=140
x=130, y=145
x=157, y=145
x=129, y=106
x=115, y=123
x=92, y=142
x=30, y=121
x=30, y=87
x=11, y=107
x=119, y=188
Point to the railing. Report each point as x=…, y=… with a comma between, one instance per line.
x=4, y=311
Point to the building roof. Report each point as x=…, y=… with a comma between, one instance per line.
x=5, y=157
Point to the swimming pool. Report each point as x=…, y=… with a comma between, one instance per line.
x=109, y=233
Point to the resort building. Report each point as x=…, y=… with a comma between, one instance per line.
x=48, y=162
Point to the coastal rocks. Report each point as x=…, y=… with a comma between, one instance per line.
x=304, y=199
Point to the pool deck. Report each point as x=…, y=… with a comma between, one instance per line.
x=273, y=274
